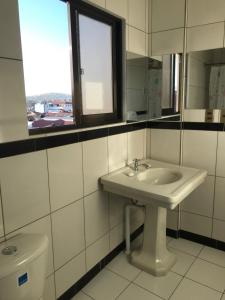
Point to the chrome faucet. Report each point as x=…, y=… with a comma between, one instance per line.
x=136, y=164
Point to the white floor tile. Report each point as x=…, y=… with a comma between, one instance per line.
x=81, y=296
x=106, y=285
x=161, y=286
x=208, y=274
x=121, y=266
x=213, y=255
x=186, y=246
x=184, y=261
x=190, y=290
x=134, y=292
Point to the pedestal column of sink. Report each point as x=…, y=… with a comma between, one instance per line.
x=154, y=257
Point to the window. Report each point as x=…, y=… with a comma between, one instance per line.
x=73, y=70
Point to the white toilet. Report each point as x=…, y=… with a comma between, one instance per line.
x=23, y=261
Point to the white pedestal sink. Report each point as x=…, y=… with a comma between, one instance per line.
x=159, y=188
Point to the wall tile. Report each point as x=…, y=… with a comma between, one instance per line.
x=167, y=42
x=205, y=11
x=9, y=30
x=165, y=145
x=116, y=209
x=136, y=145
x=220, y=168
x=148, y=142
x=219, y=206
x=218, y=230
x=116, y=236
x=167, y=14
x=172, y=219
x=205, y=37
x=201, y=200
x=117, y=145
x=95, y=163
x=196, y=224
x=98, y=2
x=97, y=251
x=118, y=7
x=137, y=217
x=49, y=291
x=42, y=226
x=1, y=220
x=96, y=216
x=65, y=175
x=24, y=186
x=137, y=14
x=13, y=118
x=194, y=115
x=69, y=274
x=137, y=41
x=197, y=143
x=68, y=232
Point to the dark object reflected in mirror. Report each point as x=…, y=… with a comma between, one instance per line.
x=153, y=87
x=205, y=85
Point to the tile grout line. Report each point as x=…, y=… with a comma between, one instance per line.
x=50, y=216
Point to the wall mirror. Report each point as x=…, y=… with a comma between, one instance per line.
x=205, y=83
x=152, y=86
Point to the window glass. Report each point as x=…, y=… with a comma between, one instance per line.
x=96, y=66
x=46, y=61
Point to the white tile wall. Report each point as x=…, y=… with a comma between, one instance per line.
x=117, y=145
x=220, y=167
x=96, y=216
x=205, y=11
x=69, y=273
x=196, y=224
x=205, y=37
x=65, y=175
x=137, y=41
x=137, y=14
x=68, y=232
x=95, y=163
x=165, y=145
x=116, y=212
x=219, y=207
x=218, y=230
x=13, y=120
x=166, y=42
x=119, y=7
x=199, y=149
x=9, y=30
x=97, y=251
x=136, y=144
x=168, y=14
x=1, y=220
x=201, y=200
x=24, y=187
x=98, y=2
x=116, y=236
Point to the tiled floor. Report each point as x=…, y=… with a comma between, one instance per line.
x=199, y=274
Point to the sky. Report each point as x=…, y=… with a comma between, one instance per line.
x=45, y=46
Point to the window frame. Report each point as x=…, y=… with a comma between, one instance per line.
x=76, y=7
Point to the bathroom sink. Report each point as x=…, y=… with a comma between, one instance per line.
x=163, y=184
x=159, y=176
x=159, y=187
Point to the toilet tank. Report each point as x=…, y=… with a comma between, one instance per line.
x=23, y=261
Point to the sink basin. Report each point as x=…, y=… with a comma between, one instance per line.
x=159, y=188
x=164, y=184
x=159, y=176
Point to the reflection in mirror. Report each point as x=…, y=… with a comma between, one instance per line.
x=205, y=85
x=153, y=86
